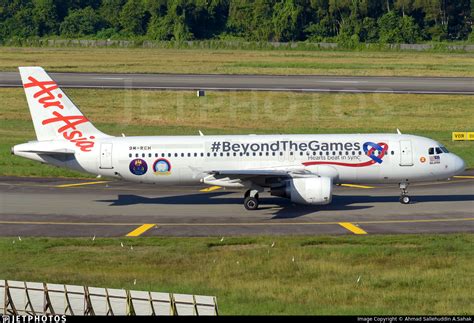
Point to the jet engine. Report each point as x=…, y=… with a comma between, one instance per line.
x=306, y=190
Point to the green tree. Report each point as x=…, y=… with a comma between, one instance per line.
x=396, y=29
x=173, y=25
x=409, y=30
x=110, y=12
x=134, y=18
x=45, y=17
x=251, y=20
x=206, y=19
x=389, y=28
x=287, y=20
x=17, y=19
x=80, y=22
x=369, y=31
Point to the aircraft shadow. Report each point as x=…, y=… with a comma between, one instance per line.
x=285, y=209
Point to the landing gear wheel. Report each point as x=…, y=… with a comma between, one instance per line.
x=405, y=199
x=251, y=203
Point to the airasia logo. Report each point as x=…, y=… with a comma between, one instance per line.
x=67, y=125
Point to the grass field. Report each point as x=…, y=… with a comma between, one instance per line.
x=238, y=61
x=423, y=274
x=182, y=113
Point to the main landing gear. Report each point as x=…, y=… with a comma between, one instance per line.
x=404, y=198
x=251, y=200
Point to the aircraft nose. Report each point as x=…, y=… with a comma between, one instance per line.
x=459, y=164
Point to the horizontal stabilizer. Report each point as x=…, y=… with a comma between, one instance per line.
x=51, y=152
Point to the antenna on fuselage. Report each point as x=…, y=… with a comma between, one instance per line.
x=200, y=133
x=398, y=131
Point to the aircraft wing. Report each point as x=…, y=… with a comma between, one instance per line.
x=251, y=173
x=262, y=177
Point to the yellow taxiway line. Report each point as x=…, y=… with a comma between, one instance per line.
x=352, y=228
x=356, y=186
x=236, y=224
x=140, y=230
x=463, y=176
x=80, y=184
x=210, y=189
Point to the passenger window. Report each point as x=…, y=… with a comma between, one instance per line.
x=129, y=155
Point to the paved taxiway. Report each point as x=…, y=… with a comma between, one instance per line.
x=305, y=83
x=67, y=207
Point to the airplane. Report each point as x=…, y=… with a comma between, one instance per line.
x=303, y=168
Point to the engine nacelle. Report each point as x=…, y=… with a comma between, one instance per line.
x=307, y=190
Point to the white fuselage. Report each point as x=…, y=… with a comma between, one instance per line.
x=172, y=160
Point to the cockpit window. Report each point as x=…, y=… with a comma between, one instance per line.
x=438, y=150
x=431, y=151
x=444, y=149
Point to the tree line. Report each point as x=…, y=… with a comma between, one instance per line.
x=352, y=21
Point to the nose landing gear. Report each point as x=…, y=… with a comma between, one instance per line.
x=404, y=198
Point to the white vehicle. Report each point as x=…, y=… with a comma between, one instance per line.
x=303, y=168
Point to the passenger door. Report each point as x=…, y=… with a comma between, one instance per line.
x=406, y=153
